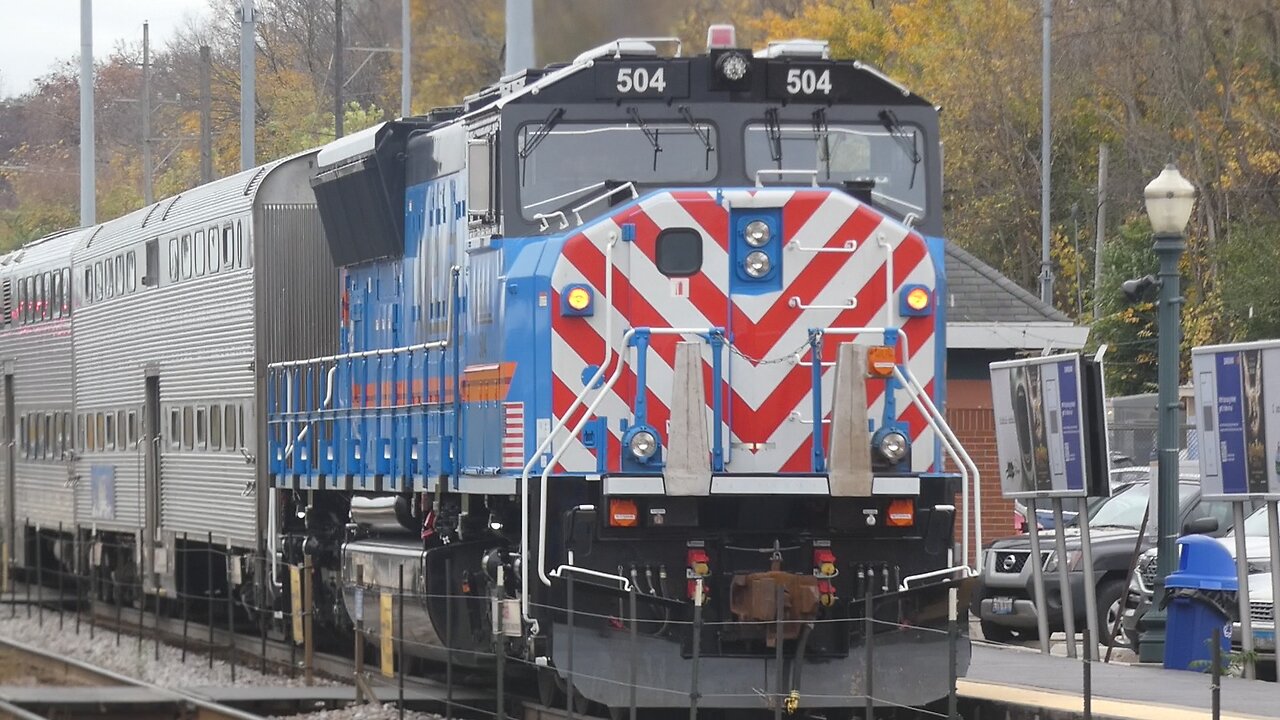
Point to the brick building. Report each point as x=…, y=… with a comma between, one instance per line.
x=991, y=318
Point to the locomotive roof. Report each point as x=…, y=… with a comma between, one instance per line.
x=694, y=78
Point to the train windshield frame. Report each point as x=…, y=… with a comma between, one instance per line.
x=888, y=157
x=563, y=164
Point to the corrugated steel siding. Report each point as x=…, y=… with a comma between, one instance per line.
x=206, y=337
x=198, y=334
x=299, y=286
x=41, y=361
x=298, y=293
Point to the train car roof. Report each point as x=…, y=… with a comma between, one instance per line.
x=54, y=249
x=222, y=198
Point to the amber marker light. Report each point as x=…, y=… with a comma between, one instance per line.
x=579, y=299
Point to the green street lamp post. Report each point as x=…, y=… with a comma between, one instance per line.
x=1170, y=199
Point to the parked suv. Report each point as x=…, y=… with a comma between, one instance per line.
x=1005, y=602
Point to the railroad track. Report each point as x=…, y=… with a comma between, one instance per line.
x=66, y=687
x=140, y=632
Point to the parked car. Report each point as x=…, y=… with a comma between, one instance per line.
x=1119, y=477
x=1263, y=619
x=1004, y=601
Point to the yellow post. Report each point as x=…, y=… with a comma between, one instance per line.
x=308, y=655
x=387, y=635
x=295, y=597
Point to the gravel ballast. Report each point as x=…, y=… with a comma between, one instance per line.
x=127, y=659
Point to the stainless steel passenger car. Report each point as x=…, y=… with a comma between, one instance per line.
x=36, y=386
x=179, y=307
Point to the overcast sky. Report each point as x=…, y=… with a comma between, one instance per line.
x=36, y=34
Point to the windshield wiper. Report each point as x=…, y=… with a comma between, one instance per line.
x=650, y=133
x=774, y=130
x=705, y=137
x=533, y=140
x=822, y=137
x=905, y=140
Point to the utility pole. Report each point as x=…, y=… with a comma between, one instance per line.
x=88, y=152
x=148, y=191
x=1100, y=230
x=1075, y=246
x=520, y=50
x=1046, y=268
x=248, y=96
x=206, y=131
x=406, y=60
x=337, y=68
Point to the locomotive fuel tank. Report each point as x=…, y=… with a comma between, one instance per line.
x=371, y=572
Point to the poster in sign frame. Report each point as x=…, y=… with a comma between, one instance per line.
x=1237, y=415
x=1050, y=427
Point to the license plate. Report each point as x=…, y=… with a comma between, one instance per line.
x=1002, y=606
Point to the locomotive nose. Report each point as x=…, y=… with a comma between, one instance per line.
x=752, y=280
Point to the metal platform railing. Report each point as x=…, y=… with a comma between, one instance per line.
x=371, y=420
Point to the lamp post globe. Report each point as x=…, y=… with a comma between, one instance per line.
x=1170, y=198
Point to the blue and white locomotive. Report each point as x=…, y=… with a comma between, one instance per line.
x=642, y=348
x=641, y=325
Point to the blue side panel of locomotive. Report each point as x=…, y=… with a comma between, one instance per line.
x=381, y=415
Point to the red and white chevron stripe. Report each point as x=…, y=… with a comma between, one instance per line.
x=767, y=394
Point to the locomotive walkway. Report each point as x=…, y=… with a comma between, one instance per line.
x=1009, y=678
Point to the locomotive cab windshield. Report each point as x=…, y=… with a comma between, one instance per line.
x=647, y=122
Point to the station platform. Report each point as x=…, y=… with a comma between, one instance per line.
x=1012, y=678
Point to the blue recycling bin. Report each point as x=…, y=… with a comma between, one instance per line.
x=1200, y=596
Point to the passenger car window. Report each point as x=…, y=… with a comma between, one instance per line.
x=188, y=429
x=229, y=427
x=175, y=428
x=215, y=425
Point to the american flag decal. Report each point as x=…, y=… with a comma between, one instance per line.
x=513, y=435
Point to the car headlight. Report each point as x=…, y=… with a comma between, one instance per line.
x=757, y=264
x=1073, y=561
x=757, y=233
x=643, y=445
x=893, y=446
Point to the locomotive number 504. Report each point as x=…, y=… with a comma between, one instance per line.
x=808, y=81
x=641, y=80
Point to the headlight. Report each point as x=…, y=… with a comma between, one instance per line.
x=757, y=264
x=1073, y=561
x=757, y=233
x=733, y=66
x=643, y=445
x=893, y=446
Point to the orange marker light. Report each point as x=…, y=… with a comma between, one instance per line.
x=918, y=299
x=881, y=360
x=902, y=513
x=623, y=513
x=579, y=299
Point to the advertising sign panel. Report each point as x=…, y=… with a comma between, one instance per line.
x=1237, y=413
x=1041, y=426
